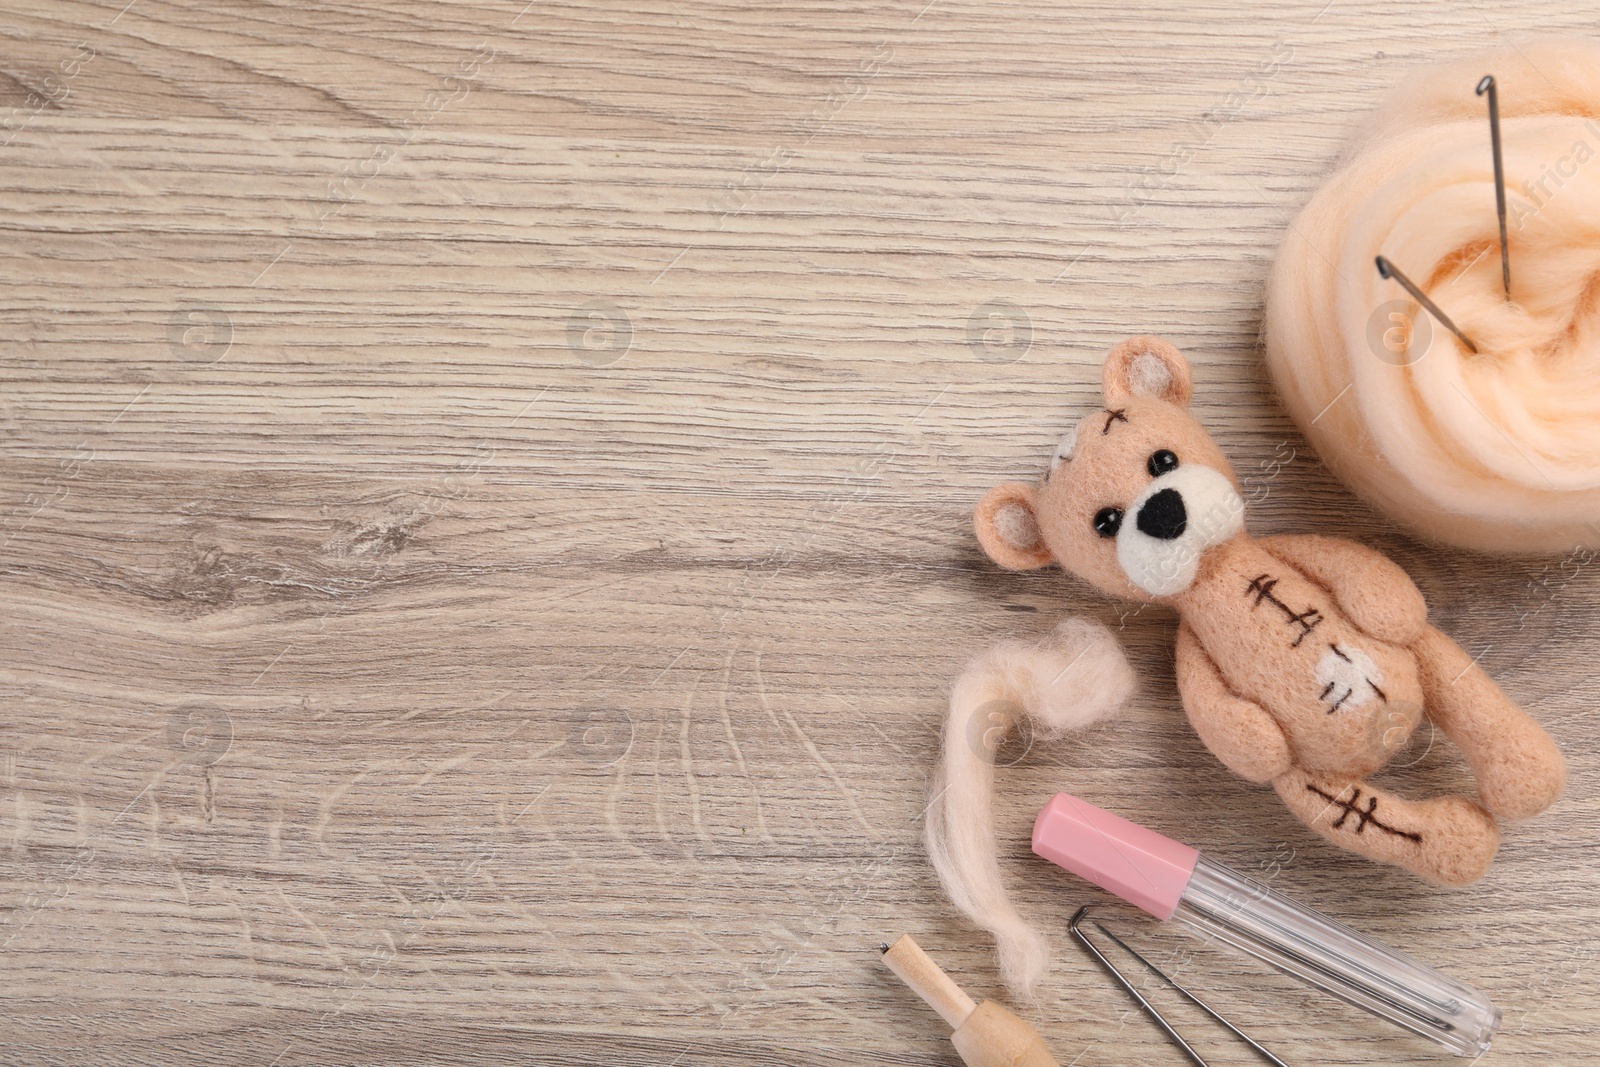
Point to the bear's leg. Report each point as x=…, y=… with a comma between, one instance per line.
x=1518, y=767
x=1444, y=839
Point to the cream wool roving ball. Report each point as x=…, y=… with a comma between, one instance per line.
x=1499, y=450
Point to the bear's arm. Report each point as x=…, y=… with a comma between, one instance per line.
x=1373, y=591
x=1241, y=734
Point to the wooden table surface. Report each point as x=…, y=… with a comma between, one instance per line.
x=487, y=542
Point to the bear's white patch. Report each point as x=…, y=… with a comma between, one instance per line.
x=1064, y=448
x=1346, y=678
x=1016, y=526
x=1213, y=513
x=1149, y=375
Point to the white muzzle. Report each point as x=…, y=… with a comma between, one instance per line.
x=1169, y=525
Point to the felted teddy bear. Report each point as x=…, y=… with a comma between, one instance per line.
x=1302, y=660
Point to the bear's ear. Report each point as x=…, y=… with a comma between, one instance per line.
x=1146, y=366
x=1007, y=528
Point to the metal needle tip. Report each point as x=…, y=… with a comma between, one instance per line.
x=1388, y=270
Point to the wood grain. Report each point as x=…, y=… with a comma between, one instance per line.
x=485, y=519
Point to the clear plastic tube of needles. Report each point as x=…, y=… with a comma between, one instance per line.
x=1172, y=881
x=1222, y=905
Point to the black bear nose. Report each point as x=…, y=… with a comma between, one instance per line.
x=1163, y=515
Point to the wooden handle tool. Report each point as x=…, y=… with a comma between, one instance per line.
x=986, y=1035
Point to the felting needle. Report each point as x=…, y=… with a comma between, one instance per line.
x=1150, y=1009
x=1487, y=85
x=1389, y=270
x=1260, y=1050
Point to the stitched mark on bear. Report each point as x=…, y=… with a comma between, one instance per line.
x=1262, y=585
x=1349, y=677
x=1337, y=651
x=1119, y=415
x=1363, y=815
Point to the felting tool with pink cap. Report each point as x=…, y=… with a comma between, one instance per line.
x=1174, y=882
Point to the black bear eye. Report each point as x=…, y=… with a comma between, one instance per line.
x=1107, y=521
x=1161, y=462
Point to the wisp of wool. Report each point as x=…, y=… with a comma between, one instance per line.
x=1076, y=677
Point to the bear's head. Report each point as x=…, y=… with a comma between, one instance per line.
x=1136, y=493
